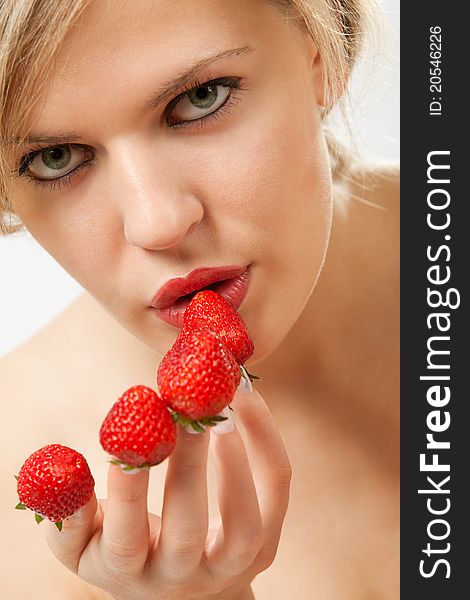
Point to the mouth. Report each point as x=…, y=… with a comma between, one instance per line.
x=173, y=298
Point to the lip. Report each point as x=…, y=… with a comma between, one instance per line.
x=231, y=282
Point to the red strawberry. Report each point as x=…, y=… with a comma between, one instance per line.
x=54, y=481
x=209, y=309
x=138, y=431
x=198, y=377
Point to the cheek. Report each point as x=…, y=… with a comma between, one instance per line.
x=271, y=193
x=79, y=232
x=270, y=179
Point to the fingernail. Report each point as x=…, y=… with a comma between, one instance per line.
x=226, y=426
x=245, y=386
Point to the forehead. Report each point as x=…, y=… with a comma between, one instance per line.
x=107, y=28
x=120, y=51
x=116, y=46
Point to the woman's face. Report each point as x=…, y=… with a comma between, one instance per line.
x=146, y=189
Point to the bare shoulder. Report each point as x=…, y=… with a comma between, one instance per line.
x=367, y=212
x=378, y=185
x=367, y=236
x=374, y=199
x=82, y=347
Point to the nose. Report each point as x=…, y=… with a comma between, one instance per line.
x=156, y=210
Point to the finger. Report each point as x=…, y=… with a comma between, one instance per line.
x=125, y=538
x=185, y=511
x=69, y=544
x=271, y=467
x=241, y=536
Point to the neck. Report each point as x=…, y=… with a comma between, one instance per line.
x=341, y=356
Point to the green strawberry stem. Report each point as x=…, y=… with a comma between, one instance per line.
x=198, y=425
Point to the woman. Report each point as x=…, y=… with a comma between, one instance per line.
x=139, y=147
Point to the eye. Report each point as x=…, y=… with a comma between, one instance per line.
x=200, y=101
x=54, y=162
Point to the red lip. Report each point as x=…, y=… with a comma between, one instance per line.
x=196, y=280
x=173, y=297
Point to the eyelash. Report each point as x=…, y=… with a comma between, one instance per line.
x=234, y=83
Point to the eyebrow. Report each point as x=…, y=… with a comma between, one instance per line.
x=63, y=138
x=173, y=85
x=166, y=91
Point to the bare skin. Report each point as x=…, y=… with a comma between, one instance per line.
x=332, y=387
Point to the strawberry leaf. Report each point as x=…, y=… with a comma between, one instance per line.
x=20, y=506
x=38, y=518
x=58, y=524
x=129, y=468
x=197, y=427
x=212, y=420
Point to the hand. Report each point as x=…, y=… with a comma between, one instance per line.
x=120, y=547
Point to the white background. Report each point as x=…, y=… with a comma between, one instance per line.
x=34, y=288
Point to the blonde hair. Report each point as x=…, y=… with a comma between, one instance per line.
x=33, y=30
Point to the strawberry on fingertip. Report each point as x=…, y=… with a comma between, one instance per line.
x=54, y=482
x=197, y=378
x=138, y=431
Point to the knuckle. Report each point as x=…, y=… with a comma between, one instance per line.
x=107, y=573
x=191, y=468
x=120, y=554
x=188, y=546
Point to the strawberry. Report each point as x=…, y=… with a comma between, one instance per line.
x=54, y=482
x=138, y=431
x=210, y=310
x=197, y=378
